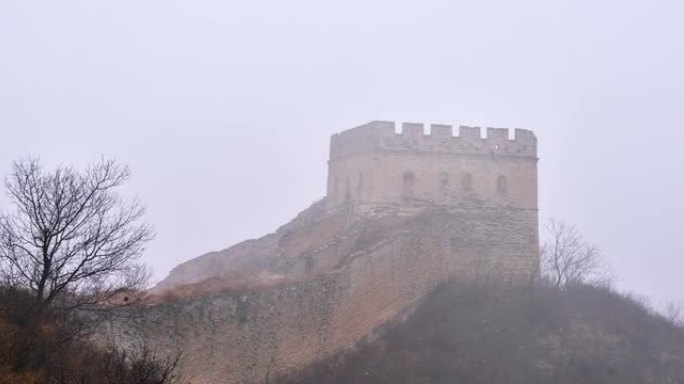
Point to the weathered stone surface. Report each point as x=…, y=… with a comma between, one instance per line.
x=412, y=211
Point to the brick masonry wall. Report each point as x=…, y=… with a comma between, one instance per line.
x=373, y=165
x=253, y=336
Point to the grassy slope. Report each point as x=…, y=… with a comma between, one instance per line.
x=490, y=335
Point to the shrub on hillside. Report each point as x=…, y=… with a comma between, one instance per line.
x=46, y=345
x=482, y=334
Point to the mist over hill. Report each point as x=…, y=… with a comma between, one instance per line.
x=484, y=333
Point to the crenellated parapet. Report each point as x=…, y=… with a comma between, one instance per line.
x=382, y=136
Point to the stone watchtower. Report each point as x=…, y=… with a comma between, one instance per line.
x=491, y=182
x=372, y=164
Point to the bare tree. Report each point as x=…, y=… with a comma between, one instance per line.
x=70, y=235
x=567, y=259
x=139, y=365
x=674, y=314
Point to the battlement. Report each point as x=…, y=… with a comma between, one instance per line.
x=383, y=136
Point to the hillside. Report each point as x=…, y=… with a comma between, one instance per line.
x=485, y=334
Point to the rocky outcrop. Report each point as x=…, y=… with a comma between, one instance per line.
x=248, y=260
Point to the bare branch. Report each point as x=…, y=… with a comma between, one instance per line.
x=71, y=233
x=567, y=259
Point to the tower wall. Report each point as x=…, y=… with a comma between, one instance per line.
x=372, y=164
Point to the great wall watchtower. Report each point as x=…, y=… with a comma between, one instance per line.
x=487, y=184
x=371, y=164
x=404, y=212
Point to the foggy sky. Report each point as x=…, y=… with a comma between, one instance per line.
x=223, y=109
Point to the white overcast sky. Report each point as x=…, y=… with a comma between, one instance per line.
x=223, y=109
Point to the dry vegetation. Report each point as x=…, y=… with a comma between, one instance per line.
x=41, y=345
x=69, y=251
x=216, y=286
x=494, y=334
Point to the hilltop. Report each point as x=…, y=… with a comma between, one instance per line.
x=483, y=334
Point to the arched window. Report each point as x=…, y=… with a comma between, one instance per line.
x=336, y=189
x=408, y=188
x=444, y=182
x=347, y=190
x=467, y=182
x=501, y=185
x=359, y=187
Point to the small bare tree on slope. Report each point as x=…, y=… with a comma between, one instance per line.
x=70, y=235
x=566, y=258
